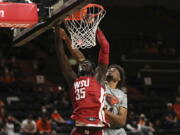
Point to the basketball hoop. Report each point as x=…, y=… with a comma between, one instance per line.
x=82, y=25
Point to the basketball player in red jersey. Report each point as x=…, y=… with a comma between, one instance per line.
x=116, y=99
x=87, y=89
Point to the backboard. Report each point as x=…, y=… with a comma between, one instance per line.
x=57, y=13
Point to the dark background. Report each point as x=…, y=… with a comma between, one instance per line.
x=144, y=38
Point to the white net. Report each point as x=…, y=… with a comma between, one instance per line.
x=82, y=27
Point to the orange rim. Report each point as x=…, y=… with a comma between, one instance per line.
x=79, y=15
x=97, y=6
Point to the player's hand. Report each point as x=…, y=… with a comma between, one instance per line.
x=90, y=19
x=105, y=107
x=63, y=34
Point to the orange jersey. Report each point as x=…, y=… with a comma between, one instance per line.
x=43, y=127
x=56, y=116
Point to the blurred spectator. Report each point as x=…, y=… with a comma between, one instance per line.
x=170, y=118
x=151, y=48
x=141, y=120
x=40, y=79
x=3, y=63
x=15, y=68
x=177, y=107
x=35, y=65
x=44, y=126
x=158, y=126
x=147, y=81
x=177, y=110
x=44, y=110
x=57, y=117
x=2, y=111
x=57, y=120
x=145, y=125
x=132, y=125
x=8, y=76
x=10, y=125
x=147, y=129
x=2, y=129
x=1, y=117
x=28, y=126
x=65, y=99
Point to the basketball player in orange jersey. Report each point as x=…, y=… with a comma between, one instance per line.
x=116, y=99
x=87, y=91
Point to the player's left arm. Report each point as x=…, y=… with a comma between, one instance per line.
x=103, y=59
x=77, y=54
x=64, y=64
x=119, y=119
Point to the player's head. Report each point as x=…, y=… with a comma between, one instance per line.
x=30, y=118
x=116, y=73
x=86, y=68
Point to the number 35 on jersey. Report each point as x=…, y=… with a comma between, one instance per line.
x=80, y=88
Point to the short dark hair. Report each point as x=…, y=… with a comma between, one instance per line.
x=92, y=64
x=122, y=75
x=30, y=116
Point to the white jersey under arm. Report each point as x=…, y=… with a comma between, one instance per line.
x=122, y=97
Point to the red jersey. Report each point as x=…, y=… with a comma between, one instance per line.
x=88, y=100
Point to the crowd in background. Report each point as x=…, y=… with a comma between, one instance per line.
x=25, y=64
x=50, y=121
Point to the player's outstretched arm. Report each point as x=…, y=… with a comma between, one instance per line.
x=78, y=55
x=104, y=50
x=103, y=59
x=64, y=64
x=118, y=120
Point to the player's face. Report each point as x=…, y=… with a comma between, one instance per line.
x=113, y=74
x=85, y=67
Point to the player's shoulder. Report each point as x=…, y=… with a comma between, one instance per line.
x=121, y=92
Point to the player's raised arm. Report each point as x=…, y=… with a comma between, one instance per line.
x=78, y=55
x=103, y=59
x=64, y=64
